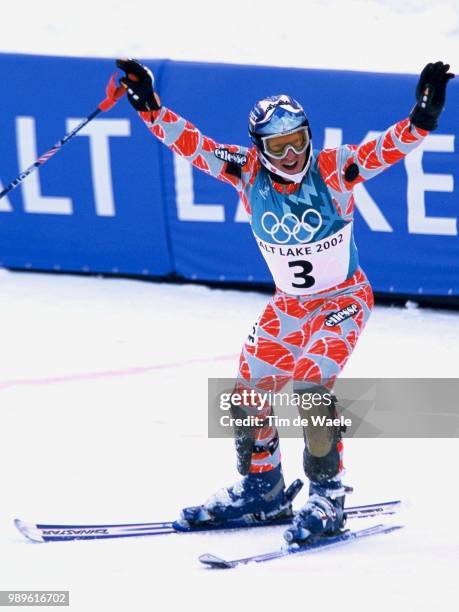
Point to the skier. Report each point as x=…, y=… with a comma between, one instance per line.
x=300, y=203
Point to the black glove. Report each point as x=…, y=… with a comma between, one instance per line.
x=430, y=95
x=139, y=82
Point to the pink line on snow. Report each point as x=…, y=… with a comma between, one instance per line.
x=52, y=380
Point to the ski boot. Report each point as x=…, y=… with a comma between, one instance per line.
x=322, y=515
x=256, y=499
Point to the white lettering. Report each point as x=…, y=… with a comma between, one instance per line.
x=333, y=138
x=241, y=213
x=363, y=200
x=370, y=211
x=419, y=182
x=187, y=209
x=34, y=201
x=99, y=131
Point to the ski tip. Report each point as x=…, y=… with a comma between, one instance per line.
x=213, y=561
x=29, y=531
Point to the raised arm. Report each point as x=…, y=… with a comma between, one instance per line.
x=230, y=163
x=348, y=165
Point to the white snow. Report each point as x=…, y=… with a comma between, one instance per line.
x=103, y=382
x=381, y=35
x=104, y=418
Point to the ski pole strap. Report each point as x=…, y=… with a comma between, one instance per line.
x=114, y=93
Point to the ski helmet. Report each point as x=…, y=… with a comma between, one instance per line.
x=277, y=116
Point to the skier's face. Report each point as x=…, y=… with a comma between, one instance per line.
x=292, y=163
x=287, y=152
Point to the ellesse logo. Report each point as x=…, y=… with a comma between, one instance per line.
x=235, y=158
x=335, y=318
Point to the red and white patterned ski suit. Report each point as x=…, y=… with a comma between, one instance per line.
x=323, y=299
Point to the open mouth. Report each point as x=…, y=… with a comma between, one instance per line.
x=290, y=165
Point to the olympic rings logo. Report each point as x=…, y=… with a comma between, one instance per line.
x=283, y=230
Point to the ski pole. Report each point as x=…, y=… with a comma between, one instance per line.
x=114, y=93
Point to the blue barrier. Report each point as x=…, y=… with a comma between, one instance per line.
x=116, y=200
x=97, y=205
x=406, y=218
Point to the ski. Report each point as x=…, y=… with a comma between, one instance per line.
x=212, y=561
x=55, y=533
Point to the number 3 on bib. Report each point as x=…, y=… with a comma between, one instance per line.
x=328, y=262
x=303, y=274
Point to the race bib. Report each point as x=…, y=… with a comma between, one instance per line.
x=309, y=267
